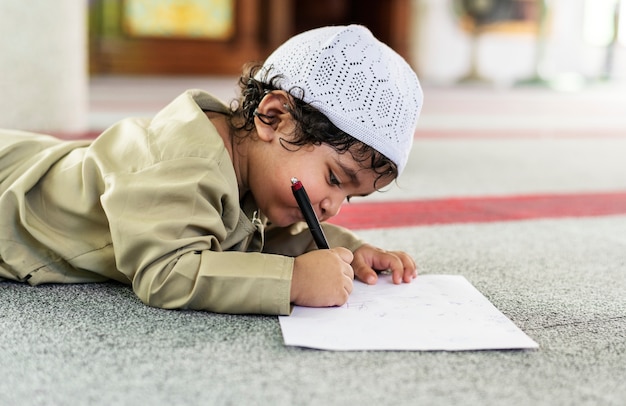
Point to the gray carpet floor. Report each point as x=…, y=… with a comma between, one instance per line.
x=561, y=281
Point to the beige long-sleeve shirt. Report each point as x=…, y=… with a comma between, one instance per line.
x=150, y=202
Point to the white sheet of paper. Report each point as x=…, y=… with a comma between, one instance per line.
x=434, y=312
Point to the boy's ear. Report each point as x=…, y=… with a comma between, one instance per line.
x=272, y=115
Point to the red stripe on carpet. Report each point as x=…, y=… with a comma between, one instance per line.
x=478, y=210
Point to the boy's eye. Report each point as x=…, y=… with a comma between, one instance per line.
x=333, y=180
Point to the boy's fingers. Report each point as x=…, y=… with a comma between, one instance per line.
x=344, y=253
x=402, y=266
x=366, y=274
x=393, y=263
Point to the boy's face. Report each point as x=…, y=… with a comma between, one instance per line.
x=328, y=176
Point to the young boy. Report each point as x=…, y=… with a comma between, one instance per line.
x=194, y=207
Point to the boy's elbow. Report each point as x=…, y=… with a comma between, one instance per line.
x=164, y=287
x=165, y=294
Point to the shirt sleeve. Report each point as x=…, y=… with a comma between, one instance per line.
x=167, y=223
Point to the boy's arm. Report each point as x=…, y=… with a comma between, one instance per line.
x=222, y=282
x=168, y=223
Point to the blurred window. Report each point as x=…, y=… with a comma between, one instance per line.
x=205, y=19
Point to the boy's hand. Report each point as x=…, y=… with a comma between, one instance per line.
x=368, y=259
x=322, y=278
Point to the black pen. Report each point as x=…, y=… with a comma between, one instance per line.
x=309, y=214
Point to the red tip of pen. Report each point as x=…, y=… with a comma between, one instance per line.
x=296, y=184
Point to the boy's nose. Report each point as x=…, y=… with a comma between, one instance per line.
x=330, y=208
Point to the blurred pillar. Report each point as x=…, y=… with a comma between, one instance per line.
x=43, y=66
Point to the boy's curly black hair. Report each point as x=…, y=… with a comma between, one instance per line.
x=312, y=127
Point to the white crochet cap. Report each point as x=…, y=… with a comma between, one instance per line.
x=364, y=87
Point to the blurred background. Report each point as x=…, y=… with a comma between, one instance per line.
x=58, y=58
